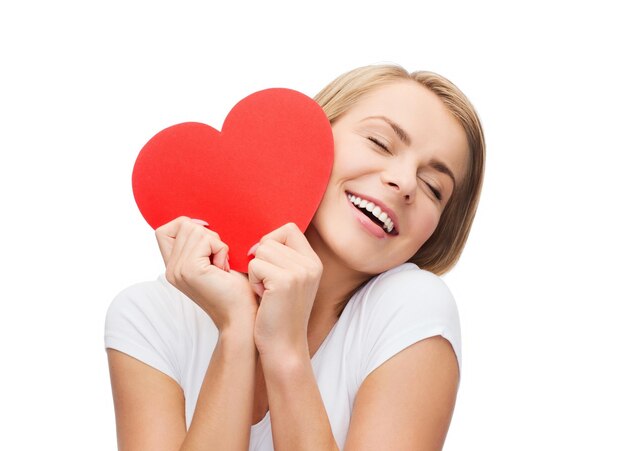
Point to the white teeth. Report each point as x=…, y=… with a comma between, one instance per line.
x=375, y=210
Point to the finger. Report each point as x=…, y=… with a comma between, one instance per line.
x=219, y=251
x=280, y=255
x=258, y=288
x=200, y=221
x=196, y=248
x=260, y=272
x=291, y=236
x=203, y=243
x=166, y=244
x=166, y=234
x=182, y=235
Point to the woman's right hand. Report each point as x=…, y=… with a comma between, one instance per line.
x=196, y=263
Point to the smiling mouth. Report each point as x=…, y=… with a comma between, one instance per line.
x=374, y=213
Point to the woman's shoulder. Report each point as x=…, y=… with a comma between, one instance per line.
x=153, y=301
x=400, y=307
x=152, y=322
x=409, y=286
x=147, y=294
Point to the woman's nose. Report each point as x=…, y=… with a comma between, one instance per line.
x=402, y=179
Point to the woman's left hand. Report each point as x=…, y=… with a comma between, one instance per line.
x=285, y=273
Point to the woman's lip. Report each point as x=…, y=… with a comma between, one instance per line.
x=382, y=205
x=367, y=223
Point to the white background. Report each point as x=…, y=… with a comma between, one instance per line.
x=83, y=85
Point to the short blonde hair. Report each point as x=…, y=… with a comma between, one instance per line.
x=443, y=249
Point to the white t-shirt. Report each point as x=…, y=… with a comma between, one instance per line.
x=158, y=325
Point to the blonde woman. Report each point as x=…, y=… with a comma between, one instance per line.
x=342, y=337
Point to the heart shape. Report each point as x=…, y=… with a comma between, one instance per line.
x=269, y=166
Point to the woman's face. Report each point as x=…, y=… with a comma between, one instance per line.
x=398, y=153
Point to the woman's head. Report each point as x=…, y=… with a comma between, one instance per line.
x=454, y=129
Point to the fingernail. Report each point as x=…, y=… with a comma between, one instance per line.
x=200, y=221
x=253, y=249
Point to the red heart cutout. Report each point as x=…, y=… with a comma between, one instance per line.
x=270, y=165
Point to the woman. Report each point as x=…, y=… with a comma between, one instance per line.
x=348, y=345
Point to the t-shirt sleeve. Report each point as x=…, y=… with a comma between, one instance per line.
x=143, y=321
x=403, y=308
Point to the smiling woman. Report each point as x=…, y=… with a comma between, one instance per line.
x=329, y=327
x=406, y=158
x=444, y=247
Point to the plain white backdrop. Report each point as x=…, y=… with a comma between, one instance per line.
x=83, y=85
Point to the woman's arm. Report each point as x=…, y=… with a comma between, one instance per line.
x=223, y=414
x=150, y=406
x=299, y=418
x=405, y=404
x=285, y=273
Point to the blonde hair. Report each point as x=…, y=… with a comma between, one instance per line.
x=443, y=249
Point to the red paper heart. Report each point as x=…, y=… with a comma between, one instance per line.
x=269, y=166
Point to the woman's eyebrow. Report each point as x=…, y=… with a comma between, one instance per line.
x=404, y=136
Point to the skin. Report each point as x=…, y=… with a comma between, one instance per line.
x=272, y=321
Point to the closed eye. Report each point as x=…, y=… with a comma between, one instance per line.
x=435, y=191
x=378, y=143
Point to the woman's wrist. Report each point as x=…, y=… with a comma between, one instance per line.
x=239, y=331
x=285, y=359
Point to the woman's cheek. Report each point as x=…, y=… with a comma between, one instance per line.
x=428, y=224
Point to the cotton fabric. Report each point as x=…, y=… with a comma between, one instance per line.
x=158, y=325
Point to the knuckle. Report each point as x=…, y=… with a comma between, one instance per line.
x=316, y=264
x=261, y=250
x=205, y=240
x=186, y=272
x=252, y=266
x=182, y=230
x=160, y=231
x=313, y=270
x=215, y=243
x=304, y=274
x=314, y=273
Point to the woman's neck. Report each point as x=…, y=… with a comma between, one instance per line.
x=337, y=283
